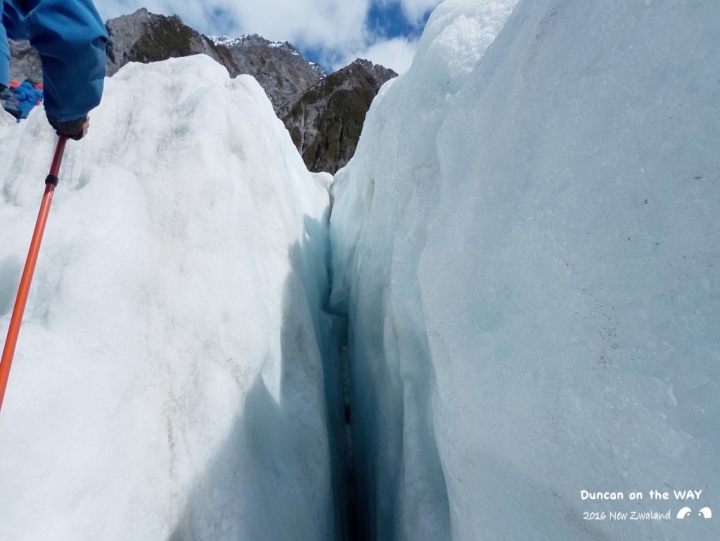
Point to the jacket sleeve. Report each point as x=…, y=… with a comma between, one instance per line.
x=70, y=38
x=4, y=50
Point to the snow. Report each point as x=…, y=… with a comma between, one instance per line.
x=229, y=42
x=283, y=45
x=226, y=41
x=526, y=247
x=168, y=381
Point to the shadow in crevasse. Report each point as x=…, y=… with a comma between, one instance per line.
x=279, y=473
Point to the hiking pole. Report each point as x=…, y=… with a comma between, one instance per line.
x=27, y=275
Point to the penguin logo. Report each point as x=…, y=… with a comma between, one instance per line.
x=705, y=512
x=685, y=511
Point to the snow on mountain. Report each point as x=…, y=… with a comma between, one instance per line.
x=526, y=246
x=283, y=72
x=226, y=41
x=168, y=382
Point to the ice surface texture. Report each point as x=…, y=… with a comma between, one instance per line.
x=527, y=246
x=168, y=382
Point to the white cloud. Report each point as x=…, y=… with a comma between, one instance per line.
x=335, y=28
x=332, y=24
x=416, y=9
x=396, y=54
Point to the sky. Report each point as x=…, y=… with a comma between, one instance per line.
x=330, y=32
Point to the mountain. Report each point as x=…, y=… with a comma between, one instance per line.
x=280, y=69
x=139, y=37
x=324, y=113
x=24, y=61
x=145, y=37
x=325, y=123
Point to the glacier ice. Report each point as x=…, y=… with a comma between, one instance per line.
x=168, y=382
x=526, y=245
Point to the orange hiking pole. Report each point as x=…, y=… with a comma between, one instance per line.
x=27, y=275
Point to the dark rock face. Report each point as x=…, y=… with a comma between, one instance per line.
x=279, y=68
x=325, y=123
x=145, y=37
x=25, y=62
x=324, y=114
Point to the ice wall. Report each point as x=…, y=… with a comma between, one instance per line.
x=168, y=382
x=526, y=244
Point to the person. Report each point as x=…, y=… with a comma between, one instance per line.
x=70, y=39
x=23, y=98
x=7, y=98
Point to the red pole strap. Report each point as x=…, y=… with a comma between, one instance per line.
x=25, y=281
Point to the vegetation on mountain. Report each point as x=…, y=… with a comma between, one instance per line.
x=326, y=122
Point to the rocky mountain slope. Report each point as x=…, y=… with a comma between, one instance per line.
x=323, y=113
x=24, y=61
x=280, y=69
x=325, y=123
x=146, y=37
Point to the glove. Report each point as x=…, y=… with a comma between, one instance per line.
x=74, y=129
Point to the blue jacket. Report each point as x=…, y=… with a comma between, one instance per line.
x=27, y=97
x=70, y=37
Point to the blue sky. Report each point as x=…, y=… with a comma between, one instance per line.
x=330, y=32
x=390, y=19
x=388, y=24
